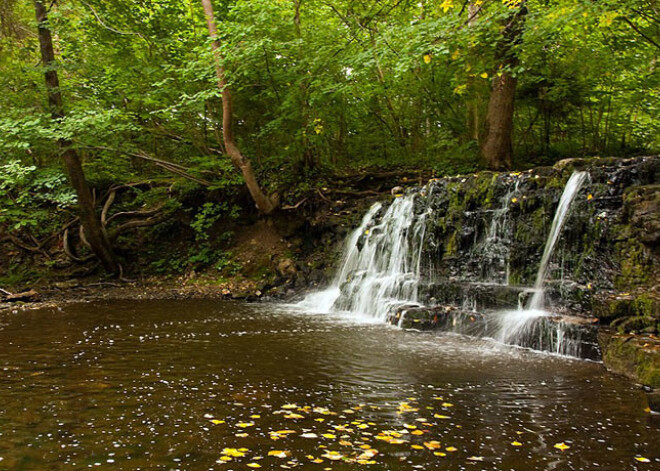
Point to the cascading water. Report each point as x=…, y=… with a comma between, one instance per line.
x=495, y=244
x=382, y=262
x=382, y=272
x=572, y=187
x=515, y=325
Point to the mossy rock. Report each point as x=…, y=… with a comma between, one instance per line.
x=636, y=357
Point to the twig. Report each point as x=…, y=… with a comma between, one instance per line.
x=295, y=206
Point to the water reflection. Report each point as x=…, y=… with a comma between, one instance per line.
x=167, y=385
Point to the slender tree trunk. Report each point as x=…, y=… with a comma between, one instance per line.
x=498, y=143
x=473, y=118
x=309, y=160
x=94, y=232
x=264, y=203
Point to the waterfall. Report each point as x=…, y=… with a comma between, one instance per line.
x=572, y=187
x=384, y=276
x=516, y=326
x=495, y=246
x=381, y=265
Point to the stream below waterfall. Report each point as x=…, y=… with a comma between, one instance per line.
x=233, y=386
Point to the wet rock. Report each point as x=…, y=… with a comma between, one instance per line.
x=637, y=357
x=414, y=317
x=653, y=398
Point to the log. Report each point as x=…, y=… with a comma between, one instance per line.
x=25, y=296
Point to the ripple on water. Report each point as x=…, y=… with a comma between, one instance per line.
x=170, y=385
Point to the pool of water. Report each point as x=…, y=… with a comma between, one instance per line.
x=231, y=386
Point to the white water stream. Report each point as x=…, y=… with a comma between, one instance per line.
x=381, y=267
x=572, y=187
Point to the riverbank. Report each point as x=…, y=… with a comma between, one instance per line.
x=484, y=237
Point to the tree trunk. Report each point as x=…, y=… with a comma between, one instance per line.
x=90, y=222
x=498, y=143
x=309, y=159
x=264, y=203
x=473, y=118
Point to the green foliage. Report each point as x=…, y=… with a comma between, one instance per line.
x=28, y=197
x=352, y=85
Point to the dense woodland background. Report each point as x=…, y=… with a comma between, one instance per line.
x=120, y=120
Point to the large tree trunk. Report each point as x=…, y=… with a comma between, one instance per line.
x=264, y=203
x=92, y=225
x=498, y=143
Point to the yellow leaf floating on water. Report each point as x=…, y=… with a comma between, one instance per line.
x=294, y=416
x=253, y=465
x=410, y=427
x=447, y=404
x=417, y=432
x=290, y=406
x=476, y=458
x=641, y=459
x=333, y=455
x=432, y=445
x=438, y=416
x=561, y=446
x=255, y=416
x=516, y=443
x=225, y=459
x=416, y=447
x=329, y=435
x=439, y=453
x=279, y=453
x=234, y=453
x=245, y=424
x=451, y=449
x=217, y=422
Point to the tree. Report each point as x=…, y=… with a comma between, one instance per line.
x=96, y=236
x=498, y=144
x=264, y=203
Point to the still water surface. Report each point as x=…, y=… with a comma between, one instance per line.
x=188, y=384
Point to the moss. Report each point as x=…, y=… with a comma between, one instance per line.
x=451, y=248
x=635, y=265
x=629, y=313
x=625, y=355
